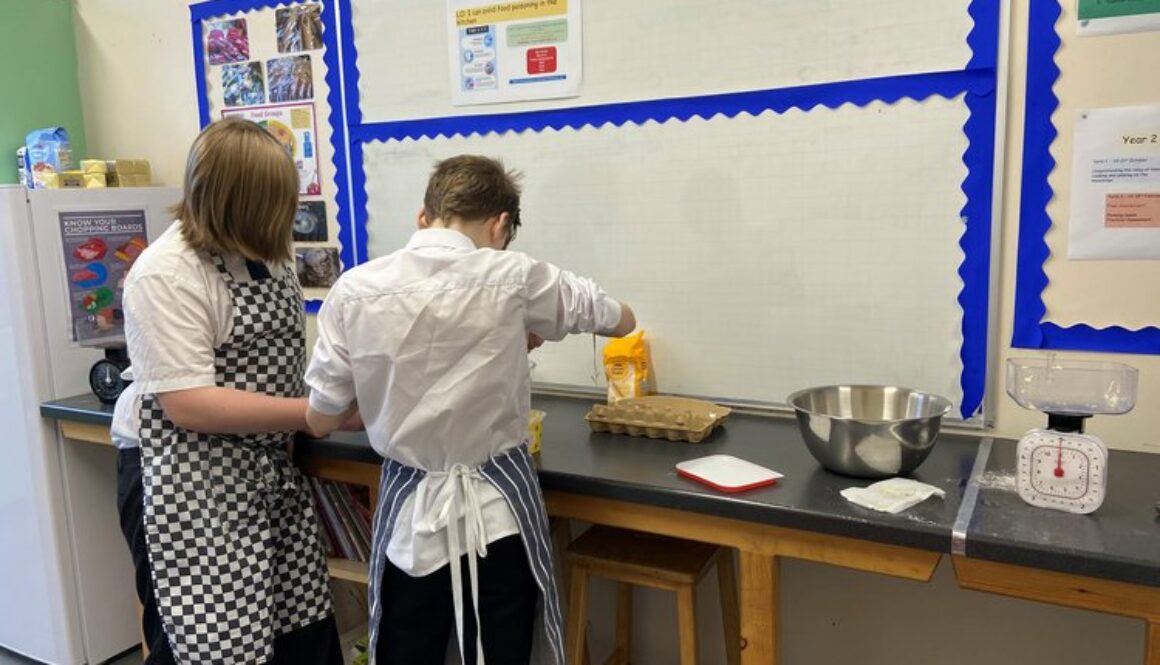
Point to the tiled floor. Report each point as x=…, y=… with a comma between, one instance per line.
x=134, y=657
x=9, y=658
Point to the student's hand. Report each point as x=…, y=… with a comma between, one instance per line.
x=534, y=342
x=354, y=423
x=626, y=324
x=320, y=424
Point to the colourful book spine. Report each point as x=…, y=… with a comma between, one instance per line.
x=358, y=513
x=323, y=528
x=346, y=522
x=345, y=548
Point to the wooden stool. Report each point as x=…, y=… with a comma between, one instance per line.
x=632, y=558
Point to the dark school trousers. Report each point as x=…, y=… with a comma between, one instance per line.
x=418, y=615
x=316, y=644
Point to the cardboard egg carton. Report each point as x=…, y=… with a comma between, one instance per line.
x=659, y=417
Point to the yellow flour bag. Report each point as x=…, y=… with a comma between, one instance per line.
x=628, y=368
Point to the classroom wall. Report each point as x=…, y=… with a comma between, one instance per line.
x=135, y=67
x=830, y=615
x=119, y=64
x=1139, y=429
x=38, y=76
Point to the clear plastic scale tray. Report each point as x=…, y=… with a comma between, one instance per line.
x=1074, y=387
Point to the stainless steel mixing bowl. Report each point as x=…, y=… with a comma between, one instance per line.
x=869, y=431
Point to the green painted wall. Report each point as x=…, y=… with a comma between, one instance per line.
x=38, y=76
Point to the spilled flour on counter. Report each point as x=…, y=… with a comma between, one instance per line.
x=997, y=481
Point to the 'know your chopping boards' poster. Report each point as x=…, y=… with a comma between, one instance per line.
x=99, y=249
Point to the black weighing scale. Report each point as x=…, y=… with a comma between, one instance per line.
x=105, y=375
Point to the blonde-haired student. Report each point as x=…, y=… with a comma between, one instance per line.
x=431, y=343
x=215, y=329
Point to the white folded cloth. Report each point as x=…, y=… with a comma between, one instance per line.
x=893, y=495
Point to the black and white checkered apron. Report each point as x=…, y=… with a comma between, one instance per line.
x=233, y=539
x=513, y=473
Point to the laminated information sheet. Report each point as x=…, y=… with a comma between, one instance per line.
x=1115, y=192
x=508, y=51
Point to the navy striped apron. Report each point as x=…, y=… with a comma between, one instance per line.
x=514, y=475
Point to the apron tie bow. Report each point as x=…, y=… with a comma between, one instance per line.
x=458, y=495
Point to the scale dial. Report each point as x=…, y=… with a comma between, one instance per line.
x=105, y=381
x=1062, y=470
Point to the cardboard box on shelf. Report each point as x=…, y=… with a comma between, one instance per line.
x=72, y=180
x=95, y=166
x=129, y=173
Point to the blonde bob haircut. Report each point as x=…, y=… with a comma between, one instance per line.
x=240, y=193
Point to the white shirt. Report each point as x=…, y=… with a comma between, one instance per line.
x=178, y=309
x=126, y=429
x=431, y=341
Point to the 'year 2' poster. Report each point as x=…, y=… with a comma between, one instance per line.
x=1115, y=190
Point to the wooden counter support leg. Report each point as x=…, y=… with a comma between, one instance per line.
x=730, y=621
x=624, y=617
x=141, y=629
x=759, y=609
x=687, y=623
x=1152, y=648
x=577, y=617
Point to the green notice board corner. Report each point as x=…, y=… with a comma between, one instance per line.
x=40, y=87
x=1093, y=9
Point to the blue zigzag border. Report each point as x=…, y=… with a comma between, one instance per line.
x=334, y=100
x=860, y=92
x=1030, y=331
x=978, y=187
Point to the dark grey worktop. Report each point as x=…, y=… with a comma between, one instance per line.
x=82, y=409
x=642, y=470
x=1120, y=541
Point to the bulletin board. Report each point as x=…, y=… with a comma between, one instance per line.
x=807, y=201
x=1090, y=305
x=277, y=63
x=789, y=194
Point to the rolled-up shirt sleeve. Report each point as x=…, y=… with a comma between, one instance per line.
x=560, y=303
x=169, y=331
x=330, y=377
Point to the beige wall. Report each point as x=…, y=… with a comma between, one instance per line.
x=1140, y=429
x=136, y=78
x=135, y=66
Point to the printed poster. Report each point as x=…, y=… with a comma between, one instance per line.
x=99, y=249
x=310, y=222
x=1115, y=190
x=509, y=51
x=318, y=267
x=1110, y=17
x=293, y=125
x=291, y=79
x=299, y=27
x=243, y=85
x=227, y=41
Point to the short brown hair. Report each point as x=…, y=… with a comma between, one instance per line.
x=240, y=193
x=473, y=188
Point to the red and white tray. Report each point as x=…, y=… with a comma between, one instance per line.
x=727, y=473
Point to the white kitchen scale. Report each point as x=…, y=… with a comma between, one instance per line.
x=1061, y=467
